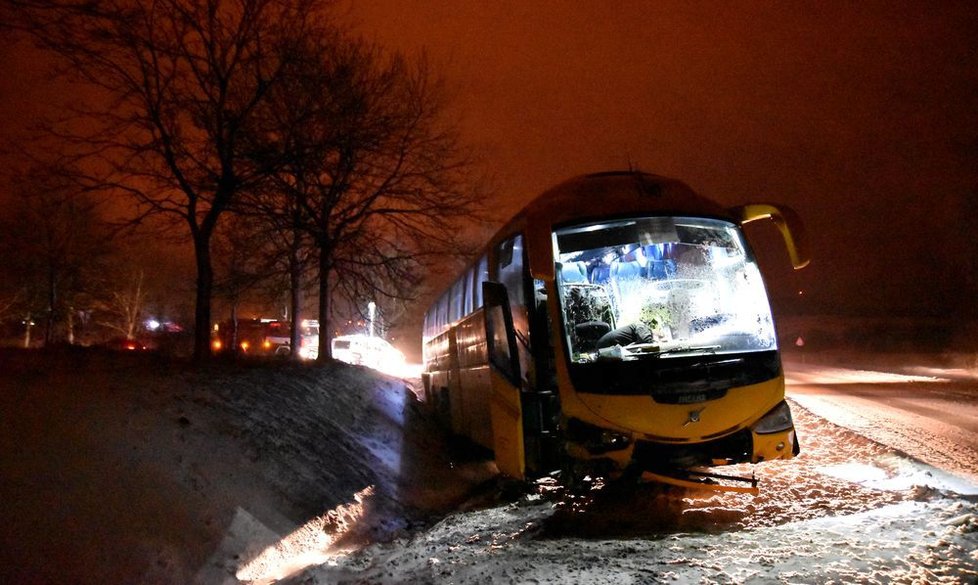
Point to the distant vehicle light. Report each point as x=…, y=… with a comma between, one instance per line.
x=123, y=344
x=267, y=344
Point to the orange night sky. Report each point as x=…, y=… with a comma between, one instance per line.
x=860, y=116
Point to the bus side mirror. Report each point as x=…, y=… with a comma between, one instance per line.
x=500, y=334
x=788, y=222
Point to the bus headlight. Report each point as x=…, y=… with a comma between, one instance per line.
x=778, y=419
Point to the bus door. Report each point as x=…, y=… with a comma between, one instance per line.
x=456, y=406
x=505, y=405
x=541, y=402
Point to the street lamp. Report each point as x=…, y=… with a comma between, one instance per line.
x=371, y=310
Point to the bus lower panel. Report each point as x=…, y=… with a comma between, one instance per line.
x=736, y=448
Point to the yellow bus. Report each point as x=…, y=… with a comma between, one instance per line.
x=618, y=324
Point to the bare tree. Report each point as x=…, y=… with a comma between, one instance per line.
x=7, y=303
x=55, y=244
x=288, y=255
x=11, y=306
x=243, y=249
x=378, y=177
x=125, y=302
x=179, y=83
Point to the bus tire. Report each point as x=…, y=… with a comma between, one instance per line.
x=572, y=474
x=443, y=407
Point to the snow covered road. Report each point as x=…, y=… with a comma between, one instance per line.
x=932, y=418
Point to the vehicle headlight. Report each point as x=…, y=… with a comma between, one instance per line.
x=778, y=419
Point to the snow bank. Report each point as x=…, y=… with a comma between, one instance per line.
x=137, y=469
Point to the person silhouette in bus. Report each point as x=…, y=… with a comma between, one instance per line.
x=599, y=270
x=626, y=335
x=574, y=271
x=630, y=264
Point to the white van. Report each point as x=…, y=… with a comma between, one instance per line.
x=363, y=350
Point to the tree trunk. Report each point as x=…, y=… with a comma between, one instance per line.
x=205, y=285
x=27, y=333
x=132, y=308
x=70, y=325
x=52, y=303
x=325, y=353
x=233, y=348
x=295, y=283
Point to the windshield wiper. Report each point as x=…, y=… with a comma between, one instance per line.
x=640, y=350
x=697, y=349
x=636, y=351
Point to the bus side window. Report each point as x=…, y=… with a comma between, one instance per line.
x=481, y=275
x=467, y=293
x=443, y=311
x=456, y=309
x=510, y=270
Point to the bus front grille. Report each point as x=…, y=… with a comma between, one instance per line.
x=735, y=448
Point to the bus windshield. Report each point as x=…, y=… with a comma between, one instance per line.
x=660, y=287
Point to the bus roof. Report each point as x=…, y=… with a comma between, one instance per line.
x=618, y=193
x=603, y=195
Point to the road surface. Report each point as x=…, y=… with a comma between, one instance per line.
x=933, y=417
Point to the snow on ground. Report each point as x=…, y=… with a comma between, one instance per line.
x=856, y=514
x=134, y=469
x=931, y=541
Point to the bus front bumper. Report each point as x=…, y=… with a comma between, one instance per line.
x=772, y=437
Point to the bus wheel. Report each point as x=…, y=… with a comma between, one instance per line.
x=572, y=474
x=443, y=409
x=511, y=490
